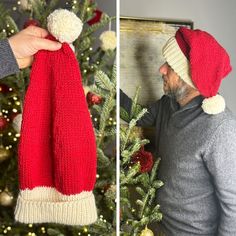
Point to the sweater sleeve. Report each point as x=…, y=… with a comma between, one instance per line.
x=221, y=163
x=8, y=63
x=150, y=116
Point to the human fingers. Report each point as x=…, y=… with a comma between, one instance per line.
x=36, y=31
x=46, y=44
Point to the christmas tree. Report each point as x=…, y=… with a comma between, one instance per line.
x=138, y=178
x=99, y=80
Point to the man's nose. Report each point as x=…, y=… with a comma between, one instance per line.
x=163, y=69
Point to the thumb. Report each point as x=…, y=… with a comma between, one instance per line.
x=46, y=44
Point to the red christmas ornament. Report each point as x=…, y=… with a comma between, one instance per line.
x=93, y=99
x=3, y=123
x=96, y=18
x=4, y=88
x=30, y=22
x=144, y=158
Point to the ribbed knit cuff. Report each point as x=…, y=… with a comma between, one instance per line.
x=8, y=63
x=46, y=205
x=177, y=60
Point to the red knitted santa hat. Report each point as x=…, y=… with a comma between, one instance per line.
x=57, y=149
x=201, y=62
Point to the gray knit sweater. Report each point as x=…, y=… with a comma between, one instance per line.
x=8, y=64
x=198, y=167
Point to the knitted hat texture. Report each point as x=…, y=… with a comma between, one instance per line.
x=57, y=149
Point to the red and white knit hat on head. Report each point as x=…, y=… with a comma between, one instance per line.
x=201, y=62
x=57, y=149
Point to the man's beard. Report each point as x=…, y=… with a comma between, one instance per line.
x=178, y=93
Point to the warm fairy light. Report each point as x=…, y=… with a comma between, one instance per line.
x=97, y=176
x=17, y=135
x=43, y=230
x=15, y=98
x=15, y=139
x=14, y=110
x=18, y=2
x=9, y=133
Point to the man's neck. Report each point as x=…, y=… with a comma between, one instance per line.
x=189, y=97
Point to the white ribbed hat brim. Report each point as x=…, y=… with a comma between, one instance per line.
x=177, y=60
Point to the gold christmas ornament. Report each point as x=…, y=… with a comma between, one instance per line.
x=146, y=232
x=4, y=153
x=6, y=198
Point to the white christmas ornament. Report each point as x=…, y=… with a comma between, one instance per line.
x=17, y=123
x=108, y=40
x=26, y=4
x=86, y=90
x=64, y=25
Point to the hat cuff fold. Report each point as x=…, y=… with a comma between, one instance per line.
x=213, y=105
x=47, y=205
x=177, y=60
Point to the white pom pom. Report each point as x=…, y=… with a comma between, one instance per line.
x=213, y=105
x=17, y=123
x=108, y=40
x=64, y=25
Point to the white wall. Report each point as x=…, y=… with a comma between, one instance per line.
x=214, y=16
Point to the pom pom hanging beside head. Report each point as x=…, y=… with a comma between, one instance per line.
x=213, y=105
x=64, y=25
